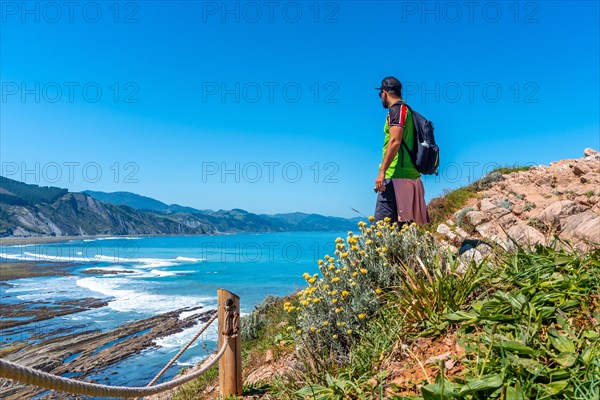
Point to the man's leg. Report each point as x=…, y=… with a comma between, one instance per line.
x=386, y=203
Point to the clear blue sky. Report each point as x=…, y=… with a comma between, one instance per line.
x=162, y=98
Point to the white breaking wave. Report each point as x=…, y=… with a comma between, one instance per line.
x=160, y=273
x=180, y=339
x=146, y=262
x=29, y=289
x=190, y=259
x=138, y=301
x=113, y=238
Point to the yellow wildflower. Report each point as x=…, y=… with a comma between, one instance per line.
x=378, y=291
x=299, y=331
x=363, y=270
x=361, y=316
x=371, y=218
x=334, y=280
x=333, y=292
x=379, y=234
x=339, y=240
x=334, y=336
x=369, y=242
x=338, y=310
x=355, y=274
x=325, y=323
x=344, y=255
x=316, y=300
x=312, y=280
x=349, y=331
x=334, y=301
x=345, y=293
x=320, y=262
x=354, y=248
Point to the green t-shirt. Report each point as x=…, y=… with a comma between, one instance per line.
x=401, y=166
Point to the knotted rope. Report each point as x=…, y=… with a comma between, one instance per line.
x=20, y=373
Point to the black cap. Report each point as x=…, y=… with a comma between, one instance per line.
x=390, y=84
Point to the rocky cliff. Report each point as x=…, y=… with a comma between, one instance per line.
x=537, y=205
x=76, y=214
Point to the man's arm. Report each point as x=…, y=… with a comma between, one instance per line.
x=391, y=151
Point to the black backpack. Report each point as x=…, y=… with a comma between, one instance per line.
x=425, y=154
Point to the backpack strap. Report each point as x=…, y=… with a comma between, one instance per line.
x=402, y=102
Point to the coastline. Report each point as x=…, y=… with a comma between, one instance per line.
x=8, y=241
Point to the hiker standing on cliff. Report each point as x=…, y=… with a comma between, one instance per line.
x=400, y=191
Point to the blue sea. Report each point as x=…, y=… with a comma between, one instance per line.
x=170, y=272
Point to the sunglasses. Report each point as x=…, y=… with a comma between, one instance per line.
x=380, y=93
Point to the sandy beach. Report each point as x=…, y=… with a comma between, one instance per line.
x=52, y=239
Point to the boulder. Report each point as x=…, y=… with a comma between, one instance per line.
x=526, y=235
x=443, y=229
x=580, y=169
x=476, y=217
x=590, y=177
x=461, y=233
x=585, y=225
x=590, y=152
x=471, y=255
x=558, y=210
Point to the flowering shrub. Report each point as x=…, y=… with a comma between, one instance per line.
x=336, y=305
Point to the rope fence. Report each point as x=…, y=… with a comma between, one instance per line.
x=229, y=371
x=183, y=349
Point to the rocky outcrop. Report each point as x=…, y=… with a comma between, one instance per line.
x=83, y=353
x=534, y=206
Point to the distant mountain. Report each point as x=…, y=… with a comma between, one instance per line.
x=138, y=201
x=32, y=210
x=316, y=222
x=236, y=219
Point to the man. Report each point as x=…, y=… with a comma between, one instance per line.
x=401, y=195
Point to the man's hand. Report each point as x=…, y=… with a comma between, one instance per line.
x=379, y=182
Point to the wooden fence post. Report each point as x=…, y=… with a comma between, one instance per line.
x=230, y=364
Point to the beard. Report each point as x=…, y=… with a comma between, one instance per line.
x=384, y=102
